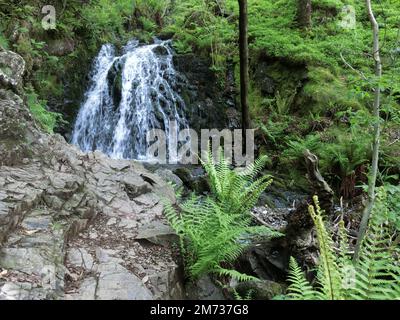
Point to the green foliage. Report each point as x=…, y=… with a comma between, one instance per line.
x=236, y=192
x=329, y=4
x=376, y=276
x=300, y=288
x=45, y=118
x=197, y=27
x=342, y=150
x=3, y=40
x=296, y=147
x=274, y=131
x=328, y=84
x=211, y=237
x=326, y=89
x=105, y=20
x=329, y=276
x=215, y=230
x=392, y=198
x=239, y=297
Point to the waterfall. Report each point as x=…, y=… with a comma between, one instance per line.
x=128, y=96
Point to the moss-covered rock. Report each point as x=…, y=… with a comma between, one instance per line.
x=12, y=69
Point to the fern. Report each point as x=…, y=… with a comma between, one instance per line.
x=210, y=236
x=239, y=297
x=237, y=192
x=299, y=287
x=377, y=268
x=377, y=274
x=214, y=231
x=235, y=275
x=328, y=273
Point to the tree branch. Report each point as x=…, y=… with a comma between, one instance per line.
x=352, y=68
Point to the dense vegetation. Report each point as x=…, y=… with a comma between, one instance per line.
x=376, y=276
x=215, y=231
x=322, y=77
x=311, y=88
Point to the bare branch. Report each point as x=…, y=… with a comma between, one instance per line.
x=352, y=68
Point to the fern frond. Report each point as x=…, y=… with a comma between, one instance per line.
x=300, y=288
x=215, y=230
x=376, y=269
x=377, y=274
x=328, y=274
x=241, y=277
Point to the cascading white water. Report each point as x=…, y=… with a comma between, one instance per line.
x=116, y=119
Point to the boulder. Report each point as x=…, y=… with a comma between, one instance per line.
x=12, y=68
x=260, y=290
x=194, y=179
x=157, y=233
x=170, y=177
x=204, y=289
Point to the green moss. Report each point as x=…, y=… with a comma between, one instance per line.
x=329, y=4
x=325, y=90
x=45, y=118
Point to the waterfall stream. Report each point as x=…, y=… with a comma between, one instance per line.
x=129, y=95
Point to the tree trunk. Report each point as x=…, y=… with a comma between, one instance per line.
x=304, y=11
x=244, y=66
x=377, y=131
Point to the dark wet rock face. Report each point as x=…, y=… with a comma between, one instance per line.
x=78, y=226
x=208, y=105
x=263, y=80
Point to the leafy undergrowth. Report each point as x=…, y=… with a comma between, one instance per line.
x=214, y=231
x=46, y=119
x=374, y=276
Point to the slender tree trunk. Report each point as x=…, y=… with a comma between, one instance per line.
x=304, y=11
x=377, y=131
x=244, y=66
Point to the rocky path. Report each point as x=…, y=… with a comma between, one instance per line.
x=74, y=225
x=97, y=233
